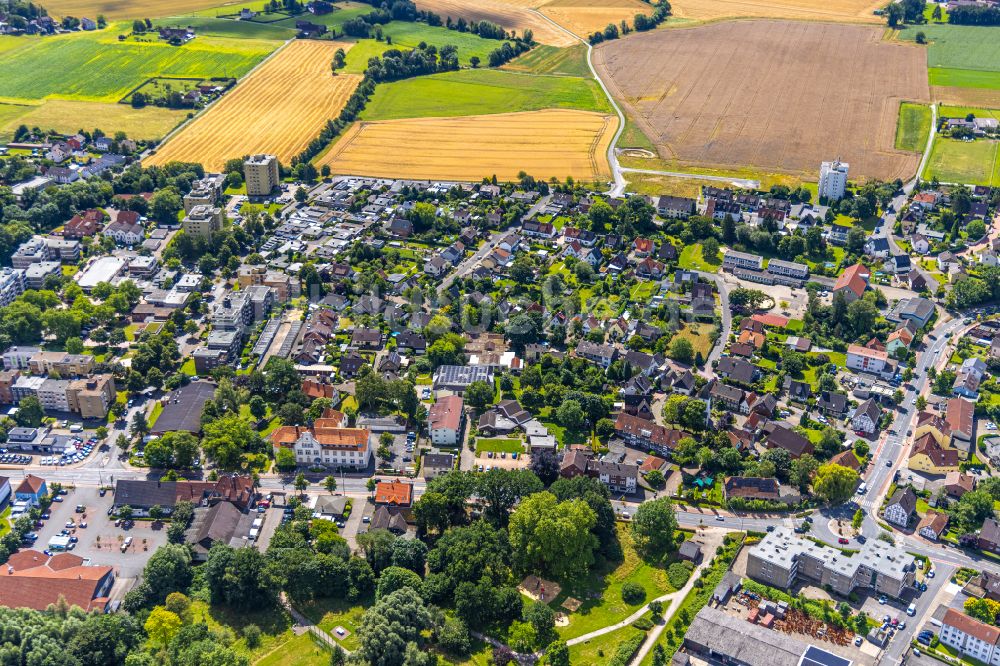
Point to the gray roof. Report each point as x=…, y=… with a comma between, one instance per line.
x=143, y=493
x=331, y=505
x=906, y=499
x=744, y=643
x=183, y=408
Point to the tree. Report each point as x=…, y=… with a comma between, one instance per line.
x=330, y=483
x=284, y=460
x=257, y=407
x=301, y=483
x=710, y=249
x=161, y=626
x=921, y=403
x=558, y=654
x=655, y=478
x=164, y=206
x=835, y=483
x=227, y=438
x=453, y=637
x=502, y=488
x=858, y=519
x=553, y=538
x=29, y=413
x=168, y=570
x=681, y=350
x=570, y=415
x=653, y=528
x=543, y=619
x=545, y=465
x=396, y=578
x=479, y=395
x=389, y=625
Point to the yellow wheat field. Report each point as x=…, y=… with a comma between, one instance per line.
x=505, y=14
x=804, y=10
x=584, y=17
x=554, y=142
x=278, y=109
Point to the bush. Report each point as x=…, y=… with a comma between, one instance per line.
x=251, y=633
x=678, y=574
x=643, y=624
x=632, y=594
x=627, y=650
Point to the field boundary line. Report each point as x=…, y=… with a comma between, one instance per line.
x=618, y=181
x=215, y=101
x=748, y=183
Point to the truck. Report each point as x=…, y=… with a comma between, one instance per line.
x=60, y=543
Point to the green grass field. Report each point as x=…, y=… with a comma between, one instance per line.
x=301, y=650
x=692, y=258
x=408, y=35
x=962, y=111
x=499, y=445
x=913, y=127
x=214, y=27
x=963, y=78
x=544, y=59
x=974, y=162
x=474, y=92
x=96, y=67
x=958, y=46
x=345, y=12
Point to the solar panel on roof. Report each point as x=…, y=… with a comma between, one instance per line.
x=814, y=656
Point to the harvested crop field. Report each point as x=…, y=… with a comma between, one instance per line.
x=543, y=143
x=507, y=15
x=771, y=95
x=583, y=17
x=853, y=11
x=68, y=116
x=278, y=109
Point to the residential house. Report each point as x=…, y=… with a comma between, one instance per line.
x=436, y=464
x=778, y=436
x=618, y=477
x=31, y=490
x=867, y=416
x=445, y=420
x=853, y=282
x=901, y=507
x=932, y=525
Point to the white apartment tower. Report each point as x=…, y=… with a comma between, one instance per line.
x=261, y=174
x=833, y=180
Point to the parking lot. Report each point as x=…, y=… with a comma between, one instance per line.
x=101, y=542
x=403, y=452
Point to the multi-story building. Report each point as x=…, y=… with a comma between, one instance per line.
x=618, y=477
x=92, y=397
x=7, y=379
x=285, y=286
x=788, y=269
x=734, y=259
x=234, y=313
x=26, y=385
x=781, y=558
x=970, y=637
x=326, y=443
x=12, y=284
x=203, y=221
x=36, y=274
x=833, y=180
x=52, y=395
x=642, y=434
x=261, y=174
x=204, y=192
x=863, y=359
x=19, y=357
x=445, y=419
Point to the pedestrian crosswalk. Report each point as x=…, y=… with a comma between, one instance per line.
x=867, y=503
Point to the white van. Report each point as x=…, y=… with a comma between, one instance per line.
x=253, y=533
x=862, y=489
x=911, y=610
x=258, y=523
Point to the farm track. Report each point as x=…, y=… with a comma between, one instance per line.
x=265, y=113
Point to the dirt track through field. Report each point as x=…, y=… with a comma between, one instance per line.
x=507, y=15
x=553, y=142
x=278, y=109
x=772, y=95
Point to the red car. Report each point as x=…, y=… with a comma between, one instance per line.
x=843, y=540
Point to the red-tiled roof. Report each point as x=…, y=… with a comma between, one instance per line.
x=395, y=493
x=854, y=278
x=771, y=320
x=971, y=626
x=33, y=580
x=446, y=413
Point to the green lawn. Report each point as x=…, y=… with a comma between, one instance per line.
x=188, y=367
x=499, y=445
x=544, y=59
x=691, y=258
x=963, y=78
x=602, y=649
x=95, y=66
x=407, y=35
x=972, y=162
x=913, y=127
x=642, y=292
x=601, y=592
x=329, y=614
x=958, y=47
x=483, y=91
x=946, y=111
x=215, y=27
x=157, y=410
x=301, y=650
x=699, y=333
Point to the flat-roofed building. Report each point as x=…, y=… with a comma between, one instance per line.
x=734, y=259
x=203, y=221
x=91, y=398
x=261, y=175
